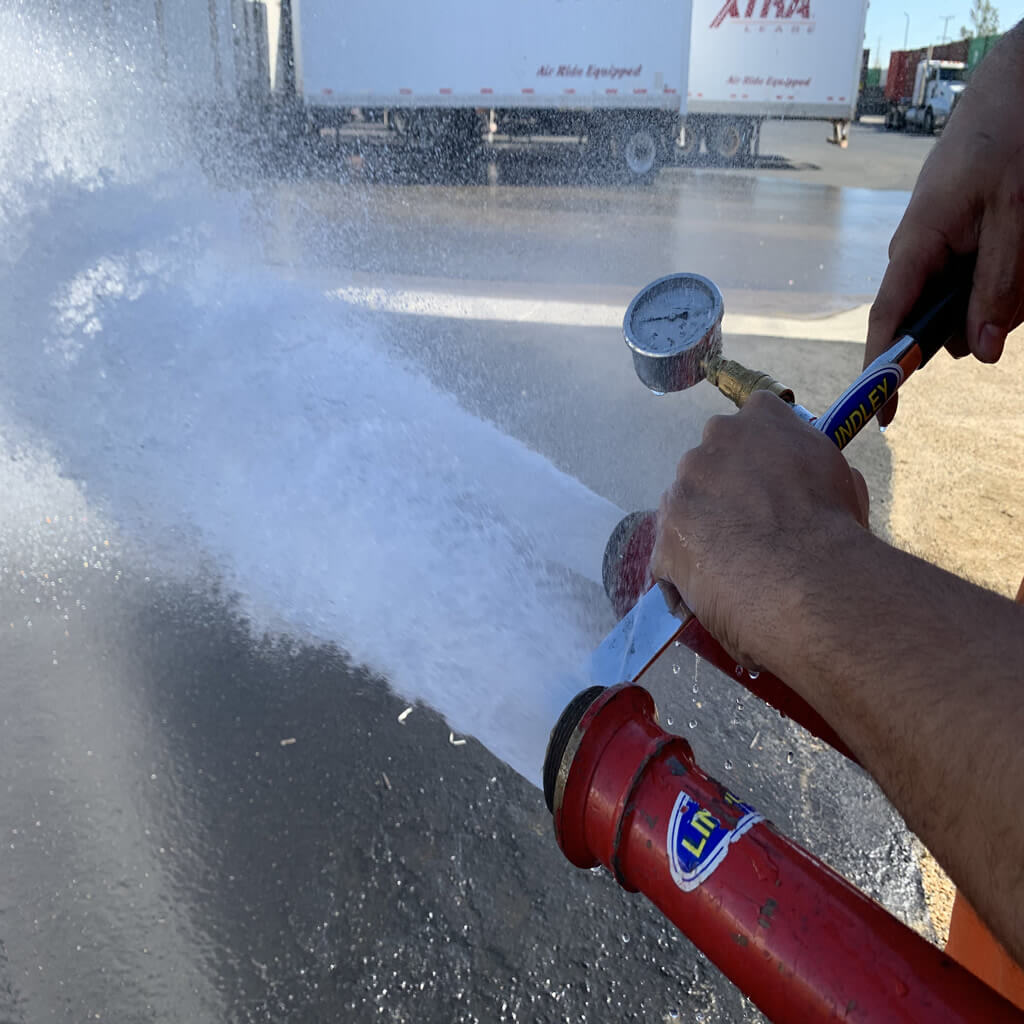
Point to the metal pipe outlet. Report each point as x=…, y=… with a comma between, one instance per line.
x=799, y=940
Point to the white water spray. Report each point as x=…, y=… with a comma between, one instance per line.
x=220, y=413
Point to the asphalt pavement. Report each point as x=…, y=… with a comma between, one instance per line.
x=205, y=825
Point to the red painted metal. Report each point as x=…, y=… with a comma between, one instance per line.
x=628, y=579
x=899, y=81
x=798, y=939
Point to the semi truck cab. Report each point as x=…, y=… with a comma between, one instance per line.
x=938, y=85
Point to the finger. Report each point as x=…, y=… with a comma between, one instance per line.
x=863, y=497
x=673, y=601
x=914, y=256
x=662, y=567
x=713, y=429
x=998, y=289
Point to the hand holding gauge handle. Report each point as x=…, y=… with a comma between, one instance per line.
x=674, y=329
x=937, y=317
x=677, y=357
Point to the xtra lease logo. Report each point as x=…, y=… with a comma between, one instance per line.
x=748, y=10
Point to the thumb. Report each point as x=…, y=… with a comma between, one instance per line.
x=915, y=255
x=860, y=488
x=998, y=290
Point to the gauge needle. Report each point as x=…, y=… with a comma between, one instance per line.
x=681, y=315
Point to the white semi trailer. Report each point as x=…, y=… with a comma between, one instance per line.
x=609, y=74
x=752, y=60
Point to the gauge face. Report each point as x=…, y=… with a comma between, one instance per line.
x=672, y=315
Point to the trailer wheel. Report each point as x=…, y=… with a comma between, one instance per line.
x=640, y=148
x=729, y=140
x=399, y=121
x=929, y=122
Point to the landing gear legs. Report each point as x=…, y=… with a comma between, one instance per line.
x=840, y=134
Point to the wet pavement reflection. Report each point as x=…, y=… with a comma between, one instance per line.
x=800, y=248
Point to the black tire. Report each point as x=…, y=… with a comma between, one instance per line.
x=929, y=122
x=728, y=139
x=639, y=151
x=400, y=120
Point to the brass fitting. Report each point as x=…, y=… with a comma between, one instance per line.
x=738, y=383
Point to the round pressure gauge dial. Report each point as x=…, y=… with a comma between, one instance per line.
x=673, y=327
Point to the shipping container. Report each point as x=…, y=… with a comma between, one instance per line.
x=899, y=83
x=899, y=80
x=977, y=47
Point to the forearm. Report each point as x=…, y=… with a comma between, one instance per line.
x=922, y=674
x=763, y=533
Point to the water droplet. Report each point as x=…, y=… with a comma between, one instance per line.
x=753, y=672
x=789, y=757
x=882, y=428
x=692, y=723
x=657, y=394
x=693, y=688
x=728, y=766
x=677, y=643
x=624, y=937
x=676, y=669
x=739, y=705
x=739, y=670
x=669, y=720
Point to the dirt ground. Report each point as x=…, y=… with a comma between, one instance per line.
x=957, y=449
x=956, y=495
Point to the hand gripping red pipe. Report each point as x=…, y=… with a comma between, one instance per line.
x=799, y=940
x=626, y=577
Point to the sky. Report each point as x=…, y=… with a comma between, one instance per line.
x=927, y=17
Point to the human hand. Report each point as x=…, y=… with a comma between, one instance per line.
x=969, y=198
x=746, y=530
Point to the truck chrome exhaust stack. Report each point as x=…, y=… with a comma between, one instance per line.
x=793, y=935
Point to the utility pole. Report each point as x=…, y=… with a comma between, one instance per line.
x=945, y=24
x=906, y=31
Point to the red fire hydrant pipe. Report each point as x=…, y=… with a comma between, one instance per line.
x=799, y=940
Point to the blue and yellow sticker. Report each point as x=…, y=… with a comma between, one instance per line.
x=698, y=841
x=860, y=402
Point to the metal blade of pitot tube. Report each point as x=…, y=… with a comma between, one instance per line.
x=640, y=636
x=650, y=626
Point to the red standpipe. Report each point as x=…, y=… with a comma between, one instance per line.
x=799, y=940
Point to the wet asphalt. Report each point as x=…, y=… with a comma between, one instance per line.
x=199, y=824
